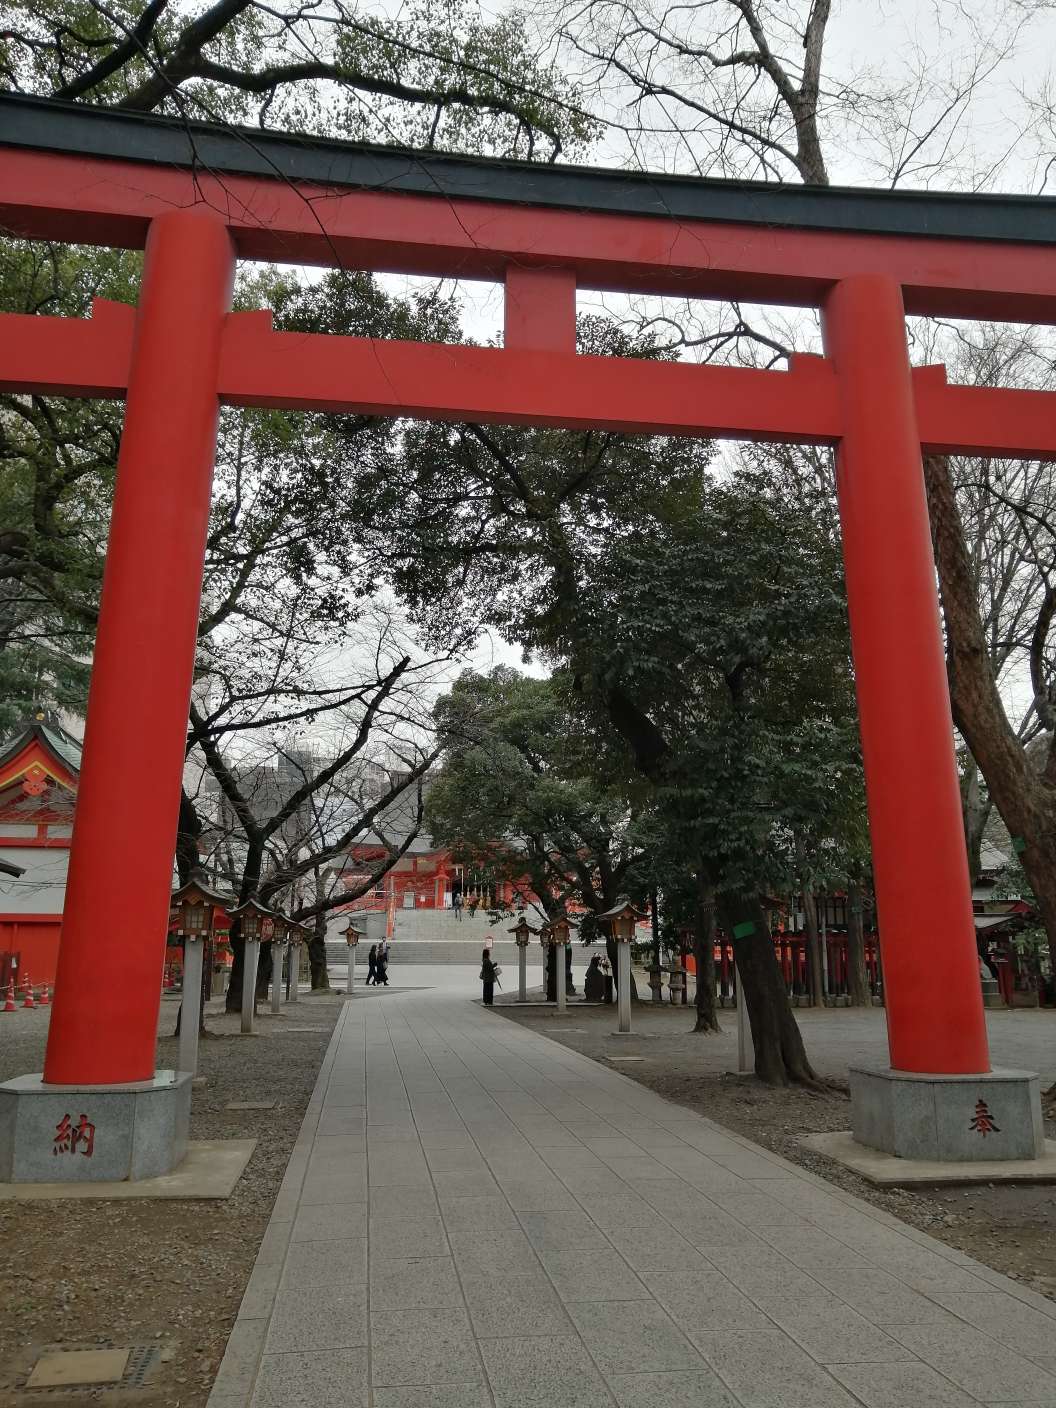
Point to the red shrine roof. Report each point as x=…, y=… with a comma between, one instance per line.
x=39, y=769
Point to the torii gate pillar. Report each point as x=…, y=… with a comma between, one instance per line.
x=103, y=1032
x=918, y=1108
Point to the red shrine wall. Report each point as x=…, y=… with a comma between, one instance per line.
x=35, y=938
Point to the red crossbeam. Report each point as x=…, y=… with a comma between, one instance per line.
x=320, y=372
x=49, y=196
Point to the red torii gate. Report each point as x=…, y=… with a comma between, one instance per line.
x=197, y=198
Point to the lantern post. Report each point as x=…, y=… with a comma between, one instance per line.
x=296, y=934
x=561, y=931
x=192, y=906
x=522, y=932
x=621, y=920
x=544, y=940
x=279, y=945
x=352, y=934
x=257, y=925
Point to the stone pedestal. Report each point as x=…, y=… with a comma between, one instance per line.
x=93, y=1133
x=991, y=993
x=656, y=983
x=954, y=1119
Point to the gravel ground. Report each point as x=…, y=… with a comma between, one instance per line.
x=1011, y=1229
x=166, y=1276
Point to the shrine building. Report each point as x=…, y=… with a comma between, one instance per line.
x=39, y=770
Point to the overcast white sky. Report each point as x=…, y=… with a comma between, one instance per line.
x=994, y=146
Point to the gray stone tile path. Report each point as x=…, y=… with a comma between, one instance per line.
x=477, y=1217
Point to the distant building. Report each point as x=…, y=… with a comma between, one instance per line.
x=426, y=876
x=39, y=771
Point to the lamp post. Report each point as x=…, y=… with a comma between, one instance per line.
x=544, y=940
x=522, y=932
x=296, y=934
x=352, y=937
x=279, y=942
x=193, y=906
x=257, y=925
x=621, y=920
x=561, y=931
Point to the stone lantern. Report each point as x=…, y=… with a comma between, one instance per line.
x=352, y=933
x=522, y=932
x=561, y=932
x=257, y=925
x=297, y=934
x=192, y=907
x=280, y=941
x=621, y=920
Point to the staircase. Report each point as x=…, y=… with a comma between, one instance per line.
x=436, y=936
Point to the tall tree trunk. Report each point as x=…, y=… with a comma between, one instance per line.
x=815, y=985
x=975, y=809
x=317, y=956
x=810, y=922
x=654, y=914
x=857, y=974
x=265, y=963
x=187, y=834
x=780, y=1057
x=704, y=956
x=1025, y=799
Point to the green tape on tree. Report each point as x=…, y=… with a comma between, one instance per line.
x=1018, y=845
x=742, y=931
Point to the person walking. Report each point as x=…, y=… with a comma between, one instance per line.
x=488, y=975
x=372, y=966
x=381, y=978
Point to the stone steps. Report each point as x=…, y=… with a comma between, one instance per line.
x=438, y=951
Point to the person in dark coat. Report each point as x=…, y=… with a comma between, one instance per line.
x=488, y=975
x=381, y=978
x=594, y=982
x=606, y=973
x=372, y=966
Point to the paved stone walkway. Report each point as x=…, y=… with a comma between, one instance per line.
x=476, y=1217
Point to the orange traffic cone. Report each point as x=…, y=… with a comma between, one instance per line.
x=27, y=1001
x=9, y=1005
x=44, y=1000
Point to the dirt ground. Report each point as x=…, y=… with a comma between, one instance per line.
x=164, y=1277
x=1011, y=1229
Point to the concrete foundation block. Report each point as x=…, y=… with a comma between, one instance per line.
x=93, y=1133
x=941, y=1118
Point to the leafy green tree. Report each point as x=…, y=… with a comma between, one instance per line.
x=717, y=646
x=526, y=792
x=705, y=623
x=440, y=73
